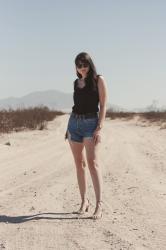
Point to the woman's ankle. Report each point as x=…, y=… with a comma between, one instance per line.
x=84, y=199
x=99, y=201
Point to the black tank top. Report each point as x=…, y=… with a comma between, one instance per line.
x=86, y=100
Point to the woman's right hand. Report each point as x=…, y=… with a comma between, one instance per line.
x=97, y=137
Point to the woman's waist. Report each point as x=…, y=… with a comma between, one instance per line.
x=84, y=115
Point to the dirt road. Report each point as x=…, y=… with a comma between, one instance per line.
x=39, y=191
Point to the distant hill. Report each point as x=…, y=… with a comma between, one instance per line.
x=53, y=99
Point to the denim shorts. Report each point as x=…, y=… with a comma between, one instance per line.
x=79, y=128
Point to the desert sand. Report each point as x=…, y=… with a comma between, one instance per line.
x=39, y=191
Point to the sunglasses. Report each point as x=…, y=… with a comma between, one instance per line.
x=82, y=65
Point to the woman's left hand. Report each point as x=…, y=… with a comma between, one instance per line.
x=97, y=137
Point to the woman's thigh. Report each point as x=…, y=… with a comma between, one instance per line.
x=92, y=150
x=77, y=150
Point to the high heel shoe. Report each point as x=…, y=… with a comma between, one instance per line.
x=84, y=208
x=98, y=215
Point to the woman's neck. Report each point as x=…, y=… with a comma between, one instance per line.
x=83, y=77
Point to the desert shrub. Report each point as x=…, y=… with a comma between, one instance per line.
x=119, y=114
x=26, y=118
x=152, y=116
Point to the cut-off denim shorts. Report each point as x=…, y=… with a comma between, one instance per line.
x=80, y=128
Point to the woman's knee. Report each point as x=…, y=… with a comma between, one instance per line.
x=93, y=163
x=80, y=161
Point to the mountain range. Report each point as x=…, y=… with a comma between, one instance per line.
x=53, y=99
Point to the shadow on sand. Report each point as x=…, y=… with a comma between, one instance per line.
x=39, y=216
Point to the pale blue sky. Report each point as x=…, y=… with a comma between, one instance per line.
x=126, y=39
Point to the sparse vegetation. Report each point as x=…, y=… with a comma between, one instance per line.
x=26, y=118
x=119, y=114
x=154, y=116
x=157, y=117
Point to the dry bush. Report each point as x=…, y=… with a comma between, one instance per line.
x=119, y=114
x=26, y=118
x=154, y=116
x=158, y=117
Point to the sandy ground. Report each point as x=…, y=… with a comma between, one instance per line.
x=39, y=191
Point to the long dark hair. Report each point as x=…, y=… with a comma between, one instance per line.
x=92, y=77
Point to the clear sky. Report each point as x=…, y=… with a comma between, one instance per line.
x=39, y=40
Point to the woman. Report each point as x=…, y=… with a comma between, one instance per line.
x=84, y=128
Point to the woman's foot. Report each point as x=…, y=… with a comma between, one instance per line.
x=98, y=211
x=84, y=206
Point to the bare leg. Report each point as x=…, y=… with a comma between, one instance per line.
x=95, y=170
x=77, y=150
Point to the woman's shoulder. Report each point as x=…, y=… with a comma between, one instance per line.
x=100, y=77
x=75, y=80
x=101, y=82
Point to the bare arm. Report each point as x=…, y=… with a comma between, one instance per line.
x=103, y=95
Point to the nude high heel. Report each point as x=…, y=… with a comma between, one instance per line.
x=85, y=209
x=98, y=215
